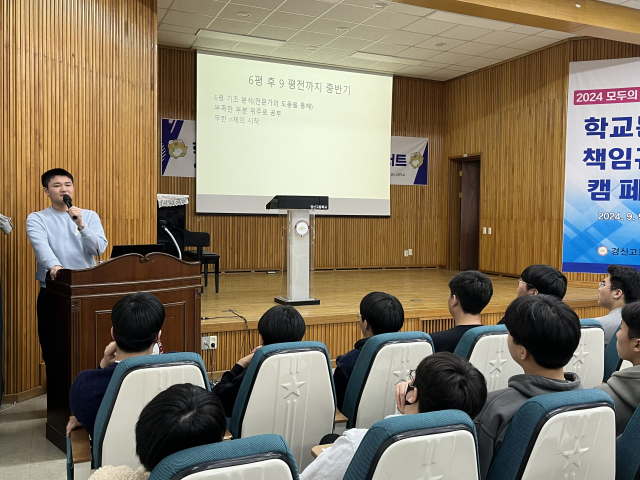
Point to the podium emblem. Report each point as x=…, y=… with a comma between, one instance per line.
x=302, y=228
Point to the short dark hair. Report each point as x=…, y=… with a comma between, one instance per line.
x=281, y=324
x=473, y=290
x=54, y=172
x=626, y=279
x=447, y=381
x=137, y=319
x=180, y=417
x=383, y=312
x=631, y=316
x=546, y=279
x=546, y=326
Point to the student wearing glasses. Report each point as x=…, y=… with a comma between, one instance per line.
x=442, y=381
x=620, y=287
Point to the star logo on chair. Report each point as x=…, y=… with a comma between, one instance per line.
x=573, y=455
x=293, y=387
x=402, y=373
x=580, y=355
x=496, y=365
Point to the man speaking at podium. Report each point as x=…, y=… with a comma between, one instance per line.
x=62, y=236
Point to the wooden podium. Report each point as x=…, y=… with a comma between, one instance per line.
x=80, y=302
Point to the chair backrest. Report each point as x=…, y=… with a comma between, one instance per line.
x=135, y=382
x=385, y=360
x=426, y=445
x=588, y=359
x=287, y=390
x=487, y=350
x=262, y=456
x=628, y=450
x=559, y=436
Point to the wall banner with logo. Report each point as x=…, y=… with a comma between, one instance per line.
x=602, y=172
x=178, y=148
x=409, y=160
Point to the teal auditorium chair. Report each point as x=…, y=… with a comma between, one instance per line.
x=559, y=436
x=385, y=360
x=588, y=359
x=259, y=457
x=434, y=445
x=135, y=382
x=487, y=350
x=612, y=362
x=628, y=450
x=287, y=390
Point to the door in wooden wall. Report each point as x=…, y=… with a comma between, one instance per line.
x=470, y=216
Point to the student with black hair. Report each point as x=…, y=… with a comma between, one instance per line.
x=136, y=327
x=379, y=313
x=279, y=324
x=624, y=386
x=470, y=292
x=543, y=334
x=61, y=237
x=620, y=287
x=180, y=417
x=442, y=381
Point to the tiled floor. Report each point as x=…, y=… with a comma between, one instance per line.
x=25, y=453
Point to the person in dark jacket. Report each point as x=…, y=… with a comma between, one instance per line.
x=379, y=313
x=544, y=333
x=279, y=324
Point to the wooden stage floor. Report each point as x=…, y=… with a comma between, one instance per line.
x=340, y=292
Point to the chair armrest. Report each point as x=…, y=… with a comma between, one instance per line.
x=340, y=418
x=318, y=449
x=80, y=445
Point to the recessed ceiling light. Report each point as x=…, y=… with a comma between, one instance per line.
x=578, y=5
x=385, y=58
x=379, y=4
x=440, y=44
x=312, y=47
x=239, y=38
x=342, y=29
x=244, y=14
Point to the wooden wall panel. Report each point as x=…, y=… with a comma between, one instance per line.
x=79, y=92
x=253, y=242
x=514, y=114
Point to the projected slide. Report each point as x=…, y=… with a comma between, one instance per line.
x=266, y=129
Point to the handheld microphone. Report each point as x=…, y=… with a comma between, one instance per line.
x=67, y=201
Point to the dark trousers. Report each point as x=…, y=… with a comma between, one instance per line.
x=44, y=327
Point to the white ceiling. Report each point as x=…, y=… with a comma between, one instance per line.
x=434, y=44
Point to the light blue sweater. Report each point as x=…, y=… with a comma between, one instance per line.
x=57, y=241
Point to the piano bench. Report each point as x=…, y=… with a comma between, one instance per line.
x=207, y=258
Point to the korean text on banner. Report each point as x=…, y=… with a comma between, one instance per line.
x=178, y=148
x=602, y=171
x=409, y=160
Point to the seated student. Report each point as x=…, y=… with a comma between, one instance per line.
x=541, y=279
x=442, y=381
x=279, y=324
x=620, y=287
x=624, y=386
x=379, y=313
x=543, y=334
x=180, y=417
x=470, y=292
x=136, y=322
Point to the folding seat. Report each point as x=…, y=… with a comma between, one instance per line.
x=385, y=360
x=135, y=382
x=434, y=445
x=612, y=362
x=559, y=436
x=588, y=359
x=487, y=350
x=259, y=457
x=628, y=450
x=287, y=390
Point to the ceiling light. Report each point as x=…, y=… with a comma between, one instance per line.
x=312, y=47
x=240, y=38
x=578, y=5
x=380, y=5
x=440, y=45
x=386, y=58
x=342, y=29
x=244, y=14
